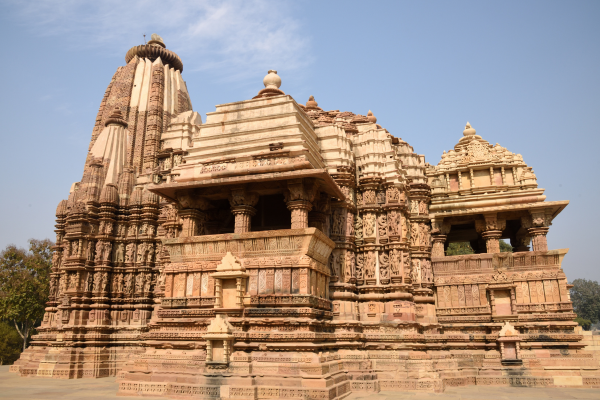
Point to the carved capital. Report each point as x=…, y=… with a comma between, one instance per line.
x=541, y=218
x=240, y=197
x=301, y=189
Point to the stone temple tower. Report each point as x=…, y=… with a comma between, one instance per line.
x=106, y=232
x=279, y=250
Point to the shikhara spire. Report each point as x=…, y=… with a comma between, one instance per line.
x=279, y=250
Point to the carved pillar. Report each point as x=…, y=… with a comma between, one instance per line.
x=492, y=241
x=492, y=301
x=299, y=209
x=243, y=218
x=539, y=242
x=298, y=197
x=438, y=246
x=491, y=228
x=317, y=218
x=513, y=300
x=192, y=222
x=209, y=352
x=242, y=207
x=439, y=232
x=226, y=351
x=218, y=297
x=239, y=301
x=541, y=220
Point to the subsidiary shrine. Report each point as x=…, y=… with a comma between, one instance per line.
x=279, y=250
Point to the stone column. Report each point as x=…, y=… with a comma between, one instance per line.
x=439, y=234
x=193, y=222
x=242, y=207
x=439, y=242
x=218, y=296
x=317, y=217
x=299, y=209
x=299, y=196
x=541, y=220
x=240, y=293
x=209, y=351
x=492, y=241
x=539, y=242
x=243, y=218
x=491, y=228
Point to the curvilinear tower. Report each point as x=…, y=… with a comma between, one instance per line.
x=278, y=250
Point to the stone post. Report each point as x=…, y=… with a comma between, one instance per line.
x=317, y=217
x=492, y=241
x=242, y=207
x=491, y=228
x=299, y=209
x=299, y=196
x=209, y=351
x=193, y=222
x=226, y=351
x=540, y=221
x=218, y=296
x=240, y=293
x=439, y=234
x=539, y=242
x=243, y=218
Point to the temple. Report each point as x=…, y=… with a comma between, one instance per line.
x=278, y=250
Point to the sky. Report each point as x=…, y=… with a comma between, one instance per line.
x=525, y=74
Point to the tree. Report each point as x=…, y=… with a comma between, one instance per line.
x=585, y=296
x=459, y=248
x=586, y=324
x=505, y=247
x=24, y=285
x=10, y=344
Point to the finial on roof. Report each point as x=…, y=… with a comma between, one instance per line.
x=468, y=130
x=311, y=103
x=154, y=49
x=371, y=117
x=272, y=81
x=156, y=40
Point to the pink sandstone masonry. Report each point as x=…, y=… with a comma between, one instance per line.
x=278, y=250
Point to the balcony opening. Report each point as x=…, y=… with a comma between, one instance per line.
x=271, y=214
x=467, y=239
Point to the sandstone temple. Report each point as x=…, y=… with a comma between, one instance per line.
x=279, y=250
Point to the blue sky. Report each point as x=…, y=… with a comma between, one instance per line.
x=524, y=73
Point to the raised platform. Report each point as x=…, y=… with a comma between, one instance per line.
x=14, y=387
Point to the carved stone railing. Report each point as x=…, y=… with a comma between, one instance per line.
x=543, y=307
x=469, y=263
x=179, y=302
x=278, y=263
x=464, y=310
x=252, y=245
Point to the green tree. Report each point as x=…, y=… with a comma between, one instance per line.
x=586, y=324
x=505, y=247
x=24, y=285
x=10, y=344
x=585, y=296
x=459, y=248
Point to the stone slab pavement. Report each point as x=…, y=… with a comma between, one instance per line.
x=14, y=387
x=484, y=393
